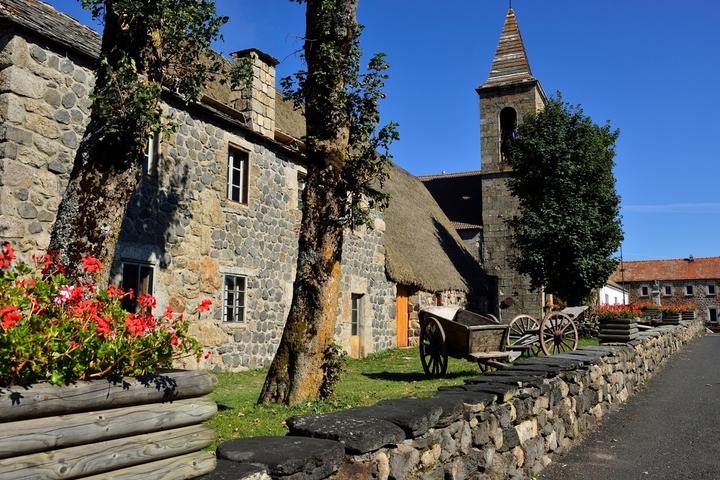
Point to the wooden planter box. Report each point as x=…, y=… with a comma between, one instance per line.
x=671, y=318
x=688, y=316
x=139, y=428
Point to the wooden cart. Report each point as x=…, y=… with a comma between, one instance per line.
x=446, y=332
x=556, y=333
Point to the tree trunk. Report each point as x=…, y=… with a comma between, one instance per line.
x=108, y=164
x=296, y=373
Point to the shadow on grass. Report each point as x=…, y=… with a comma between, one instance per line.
x=414, y=376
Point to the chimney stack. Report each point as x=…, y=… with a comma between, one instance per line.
x=258, y=100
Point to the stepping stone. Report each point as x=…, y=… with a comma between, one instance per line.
x=358, y=433
x=228, y=470
x=282, y=457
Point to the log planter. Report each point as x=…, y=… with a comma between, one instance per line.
x=688, y=316
x=150, y=427
x=669, y=318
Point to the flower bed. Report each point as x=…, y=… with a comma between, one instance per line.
x=80, y=392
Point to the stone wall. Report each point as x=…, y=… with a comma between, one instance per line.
x=507, y=424
x=499, y=205
x=700, y=297
x=420, y=300
x=180, y=221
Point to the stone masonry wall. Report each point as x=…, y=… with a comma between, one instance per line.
x=504, y=425
x=498, y=204
x=179, y=221
x=420, y=300
x=700, y=296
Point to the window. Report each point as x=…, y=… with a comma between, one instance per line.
x=711, y=289
x=301, y=188
x=151, y=155
x=237, y=175
x=508, y=125
x=689, y=290
x=234, y=299
x=644, y=291
x=356, y=300
x=139, y=278
x=667, y=290
x=713, y=314
x=607, y=299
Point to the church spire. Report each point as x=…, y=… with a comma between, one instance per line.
x=510, y=64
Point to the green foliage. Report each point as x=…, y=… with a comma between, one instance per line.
x=568, y=226
x=356, y=105
x=57, y=331
x=148, y=45
x=334, y=366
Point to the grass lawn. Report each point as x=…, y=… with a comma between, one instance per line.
x=391, y=374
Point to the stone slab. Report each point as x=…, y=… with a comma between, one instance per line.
x=562, y=363
x=414, y=415
x=358, y=433
x=295, y=458
x=452, y=408
x=229, y=470
x=518, y=379
x=473, y=399
x=503, y=392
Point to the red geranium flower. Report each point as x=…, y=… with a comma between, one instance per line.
x=91, y=264
x=146, y=300
x=204, y=305
x=10, y=316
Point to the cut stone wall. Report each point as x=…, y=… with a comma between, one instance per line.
x=506, y=424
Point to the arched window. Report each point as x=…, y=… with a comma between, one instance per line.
x=508, y=125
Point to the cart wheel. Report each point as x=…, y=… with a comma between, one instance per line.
x=558, y=334
x=523, y=331
x=433, y=351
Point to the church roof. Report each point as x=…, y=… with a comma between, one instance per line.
x=459, y=195
x=510, y=65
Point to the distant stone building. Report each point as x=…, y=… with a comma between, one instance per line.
x=679, y=280
x=479, y=202
x=218, y=210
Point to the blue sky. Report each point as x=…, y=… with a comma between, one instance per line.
x=650, y=67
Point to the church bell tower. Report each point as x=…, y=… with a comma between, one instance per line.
x=510, y=92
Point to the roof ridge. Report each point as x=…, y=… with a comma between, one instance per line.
x=433, y=176
x=672, y=259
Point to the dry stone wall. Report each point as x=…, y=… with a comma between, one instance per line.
x=504, y=425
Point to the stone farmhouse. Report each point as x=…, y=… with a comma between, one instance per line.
x=478, y=203
x=679, y=280
x=219, y=207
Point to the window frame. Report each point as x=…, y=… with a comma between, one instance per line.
x=236, y=303
x=356, y=313
x=714, y=288
x=127, y=302
x=665, y=290
x=689, y=290
x=151, y=156
x=644, y=290
x=717, y=314
x=244, y=169
x=301, y=180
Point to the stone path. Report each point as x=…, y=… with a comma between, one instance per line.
x=671, y=430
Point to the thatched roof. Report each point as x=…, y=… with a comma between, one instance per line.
x=422, y=249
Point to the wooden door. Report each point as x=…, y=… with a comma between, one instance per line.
x=402, y=319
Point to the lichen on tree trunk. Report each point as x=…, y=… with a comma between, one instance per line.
x=296, y=373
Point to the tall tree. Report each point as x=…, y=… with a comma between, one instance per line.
x=568, y=226
x=146, y=45
x=347, y=154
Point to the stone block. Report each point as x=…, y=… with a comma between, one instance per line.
x=14, y=53
x=15, y=174
x=16, y=80
x=294, y=457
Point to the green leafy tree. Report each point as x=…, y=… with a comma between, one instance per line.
x=568, y=225
x=347, y=158
x=147, y=46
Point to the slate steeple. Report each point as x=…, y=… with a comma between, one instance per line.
x=510, y=64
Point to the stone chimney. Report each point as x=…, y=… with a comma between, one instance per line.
x=258, y=101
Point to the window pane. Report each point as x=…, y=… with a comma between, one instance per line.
x=145, y=279
x=713, y=315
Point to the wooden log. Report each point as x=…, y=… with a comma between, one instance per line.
x=50, y=433
x=96, y=458
x=43, y=400
x=176, y=468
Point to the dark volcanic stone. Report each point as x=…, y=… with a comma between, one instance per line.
x=518, y=379
x=562, y=363
x=414, y=415
x=470, y=398
x=294, y=458
x=228, y=470
x=359, y=434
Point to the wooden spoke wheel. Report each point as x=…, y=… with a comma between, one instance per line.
x=523, y=335
x=558, y=334
x=433, y=350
